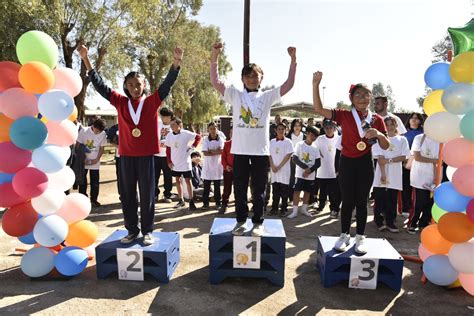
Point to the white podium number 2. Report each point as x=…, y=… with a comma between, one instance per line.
x=130, y=264
x=246, y=252
x=363, y=273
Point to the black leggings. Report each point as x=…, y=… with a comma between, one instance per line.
x=355, y=179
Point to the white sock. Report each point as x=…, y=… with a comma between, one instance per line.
x=295, y=208
x=304, y=208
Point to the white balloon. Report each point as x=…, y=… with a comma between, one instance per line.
x=48, y=202
x=61, y=180
x=450, y=171
x=460, y=257
x=50, y=230
x=442, y=127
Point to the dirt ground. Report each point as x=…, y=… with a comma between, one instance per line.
x=189, y=291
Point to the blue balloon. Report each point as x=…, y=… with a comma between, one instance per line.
x=71, y=261
x=49, y=158
x=37, y=262
x=458, y=98
x=56, y=105
x=439, y=270
x=450, y=200
x=437, y=76
x=28, y=239
x=6, y=177
x=28, y=133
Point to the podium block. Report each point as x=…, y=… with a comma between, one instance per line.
x=159, y=260
x=272, y=256
x=335, y=266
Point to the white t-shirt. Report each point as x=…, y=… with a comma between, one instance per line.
x=308, y=155
x=401, y=129
x=251, y=130
x=393, y=171
x=296, y=139
x=212, y=168
x=180, y=145
x=423, y=173
x=278, y=151
x=327, y=150
x=93, y=142
x=163, y=131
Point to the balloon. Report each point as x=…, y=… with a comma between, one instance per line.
x=50, y=230
x=423, y=253
x=62, y=133
x=458, y=152
x=28, y=132
x=49, y=158
x=49, y=202
x=442, y=127
x=437, y=212
x=13, y=158
x=449, y=172
x=19, y=220
x=439, y=271
x=462, y=37
x=455, y=227
x=432, y=103
x=460, y=256
x=56, y=105
x=36, y=77
x=37, y=262
x=433, y=241
x=437, y=76
x=470, y=210
x=467, y=282
x=462, y=68
x=5, y=123
x=76, y=207
x=30, y=182
x=8, y=196
x=16, y=102
x=458, y=98
x=6, y=177
x=62, y=180
x=82, y=234
x=463, y=180
x=71, y=261
x=448, y=199
x=68, y=80
x=37, y=46
x=90, y=251
x=467, y=126
x=73, y=116
x=9, y=78
x=28, y=239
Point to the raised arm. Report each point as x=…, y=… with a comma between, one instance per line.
x=165, y=87
x=216, y=83
x=95, y=78
x=317, y=104
x=290, y=81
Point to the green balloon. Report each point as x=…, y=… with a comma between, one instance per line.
x=467, y=126
x=436, y=212
x=37, y=46
x=463, y=38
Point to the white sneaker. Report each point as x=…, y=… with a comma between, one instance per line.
x=306, y=213
x=293, y=214
x=148, y=239
x=239, y=229
x=257, y=230
x=342, y=242
x=360, y=244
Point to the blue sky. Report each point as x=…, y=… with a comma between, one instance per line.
x=350, y=41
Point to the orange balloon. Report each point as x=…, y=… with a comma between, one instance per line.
x=82, y=234
x=433, y=241
x=456, y=227
x=5, y=123
x=36, y=77
x=73, y=115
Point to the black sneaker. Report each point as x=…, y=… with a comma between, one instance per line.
x=318, y=210
x=205, y=207
x=393, y=228
x=128, y=239
x=192, y=206
x=380, y=226
x=282, y=213
x=412, y=230
x=272, y=213
x=95, y=204
x=222, y=209
x=180, y=204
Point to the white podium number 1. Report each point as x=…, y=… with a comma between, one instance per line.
x=363, y=273
x=130, y=264
x=246, y=252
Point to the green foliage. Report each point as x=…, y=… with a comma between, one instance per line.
x=378, y=89
x=342, y=105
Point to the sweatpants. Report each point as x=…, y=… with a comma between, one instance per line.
x=385, y=204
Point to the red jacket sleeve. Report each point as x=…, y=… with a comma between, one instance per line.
x=168, y=155
x=224, y=156
x=197, y=139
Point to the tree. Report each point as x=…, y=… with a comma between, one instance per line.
x=440, y=49
x=342, y=105
x=378, y=89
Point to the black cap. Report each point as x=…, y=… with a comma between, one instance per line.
x=329, y=123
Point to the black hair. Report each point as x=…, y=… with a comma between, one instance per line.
x=99, y=124
x=292, y=126
x=384, y=98
x=313, y=130
x=357, y=86
x=195, y=154
x=281, y=124
x=130, y=75
x=392, y=119
x=166, y=111
x=212, y=123
x=420, y=117
x=177, y=120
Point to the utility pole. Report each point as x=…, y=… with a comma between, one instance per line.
x=246, y=32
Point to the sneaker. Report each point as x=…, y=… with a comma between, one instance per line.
x=393, y=228
x=180, y=204
x=205, y=207
x=257, y=230
x=306, y=213
x=360, y=247
x=222, y=209
x=272, y=213
x=239, y=229
x=128, y=239
x=411, y=230
x=293, y=214
x=342, y=242
x=282, y=213
x=148, y=239
x=318, y=210
x=95, y=204
x=380, y=226
x=334, y=214
x=192, y=206
x=167, y=199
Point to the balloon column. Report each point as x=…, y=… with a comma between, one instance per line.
x=33, y=151
x=447, y=247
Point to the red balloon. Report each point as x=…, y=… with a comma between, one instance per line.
x=19, y=220
x=470, y=211
x=30, y=182
x=9, y=78
x=13, y=159
x=8, y=196
x=458, y=152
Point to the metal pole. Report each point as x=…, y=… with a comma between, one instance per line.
x=246, y=31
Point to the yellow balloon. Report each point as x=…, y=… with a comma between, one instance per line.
x=462, y=68
x=455, y=284
x=432, y=103
x=73, y=115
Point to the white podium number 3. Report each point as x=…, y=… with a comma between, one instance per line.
x=246, y=252
x=130, y=264
x=363, y=273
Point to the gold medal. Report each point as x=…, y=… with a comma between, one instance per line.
x=361, y=146
x=136, y=132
